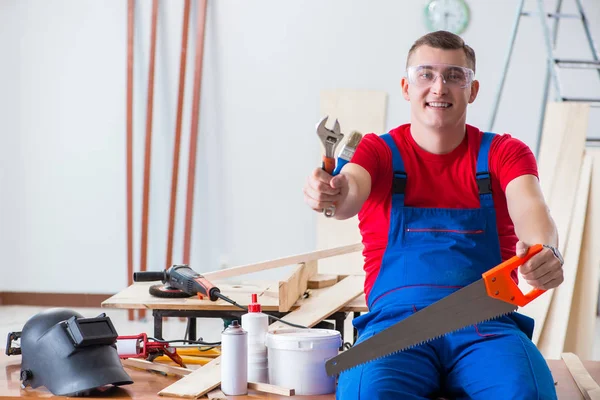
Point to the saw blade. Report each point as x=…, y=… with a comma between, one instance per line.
x=467, y=306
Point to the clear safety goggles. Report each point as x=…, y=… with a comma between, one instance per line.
x=452, y=75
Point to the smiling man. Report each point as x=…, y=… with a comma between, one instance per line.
x=439, y=203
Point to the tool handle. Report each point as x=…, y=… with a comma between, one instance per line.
x=328, y=164
x=206, y=288
x=191, y=282
x=340, y=164
x=499, y=283
x=329, y=167
x=149, y=276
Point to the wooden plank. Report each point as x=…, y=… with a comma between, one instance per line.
x=363, y=111
x=282, y=262
x=552, y=339
x=323, y=303
x=582, y=318
x=320, y=281
x=216, y=395
x=196, y=384
x=137, y=296
x=561, y=151
x=586, y=384
x=266, y=388
x=294, y=287
x=152, y=366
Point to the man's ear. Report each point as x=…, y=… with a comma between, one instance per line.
x=474, y=91
x=404, y=84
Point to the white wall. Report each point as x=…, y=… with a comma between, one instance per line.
x=62, y=107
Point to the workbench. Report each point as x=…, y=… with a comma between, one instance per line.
x=137, y=296
x=147, y=384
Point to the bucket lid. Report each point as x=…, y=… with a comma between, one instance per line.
x=303, y=339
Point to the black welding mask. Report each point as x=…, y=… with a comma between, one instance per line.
x=70, y=355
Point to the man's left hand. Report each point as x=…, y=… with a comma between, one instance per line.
x=543, y=270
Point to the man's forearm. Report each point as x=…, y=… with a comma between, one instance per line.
x=351, y=203
x=535, y=225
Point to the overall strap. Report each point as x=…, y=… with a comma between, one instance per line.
x=484, y=183
x=399, y=182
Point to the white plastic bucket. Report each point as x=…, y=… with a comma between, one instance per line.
x=297, y=359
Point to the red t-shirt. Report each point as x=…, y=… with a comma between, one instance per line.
x=436, y=181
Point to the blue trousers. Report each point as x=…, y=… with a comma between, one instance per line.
x=492, y=360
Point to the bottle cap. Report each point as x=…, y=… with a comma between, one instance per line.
x=255, y=305
x=234, y=329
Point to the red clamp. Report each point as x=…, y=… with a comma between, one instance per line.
x=146, y=348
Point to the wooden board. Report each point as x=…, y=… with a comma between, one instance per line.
x=364, y=111
x=323, y=303
x=330, y=251
x=153, y=366
x=320, y=281
x=582, y=318
x=266, y=388
x=294, y=287
x=137, y=296
x=552, y=340
x=196, y=384
x=561, y=151
x=216, y=395
x=586, y=384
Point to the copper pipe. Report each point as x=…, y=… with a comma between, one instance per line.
x=148, y=144
x=129, y=144
x=176, y=148
x=194, y=131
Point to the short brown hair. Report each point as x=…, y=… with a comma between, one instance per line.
x=444, y=40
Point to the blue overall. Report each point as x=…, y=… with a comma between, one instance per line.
x=431, y=253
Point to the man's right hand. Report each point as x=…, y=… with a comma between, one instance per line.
x=321, y=190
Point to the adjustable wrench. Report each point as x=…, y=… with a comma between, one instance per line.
x=330, y=139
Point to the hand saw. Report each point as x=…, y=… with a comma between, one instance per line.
x=492, y=296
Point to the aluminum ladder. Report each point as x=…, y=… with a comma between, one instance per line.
x=554, y=64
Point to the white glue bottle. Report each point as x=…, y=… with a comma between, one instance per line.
x=256, y=324
x=234, y=360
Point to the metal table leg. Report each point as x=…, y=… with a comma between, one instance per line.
x=158, y=324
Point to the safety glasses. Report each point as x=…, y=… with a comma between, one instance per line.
x=425, y=75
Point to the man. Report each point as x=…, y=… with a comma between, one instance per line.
x=439, y=203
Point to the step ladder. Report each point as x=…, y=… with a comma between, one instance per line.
x=554, y=63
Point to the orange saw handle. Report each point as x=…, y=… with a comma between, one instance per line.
x=328, y=164
x=500, y=285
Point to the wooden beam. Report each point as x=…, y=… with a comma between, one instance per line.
x=561, y=152
x=195, y=125
x=582, y=318
x=148, y=145
x=586, y=384
x=266, y=388
x=282, y=262
x=294, y=287
x=552, y=339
